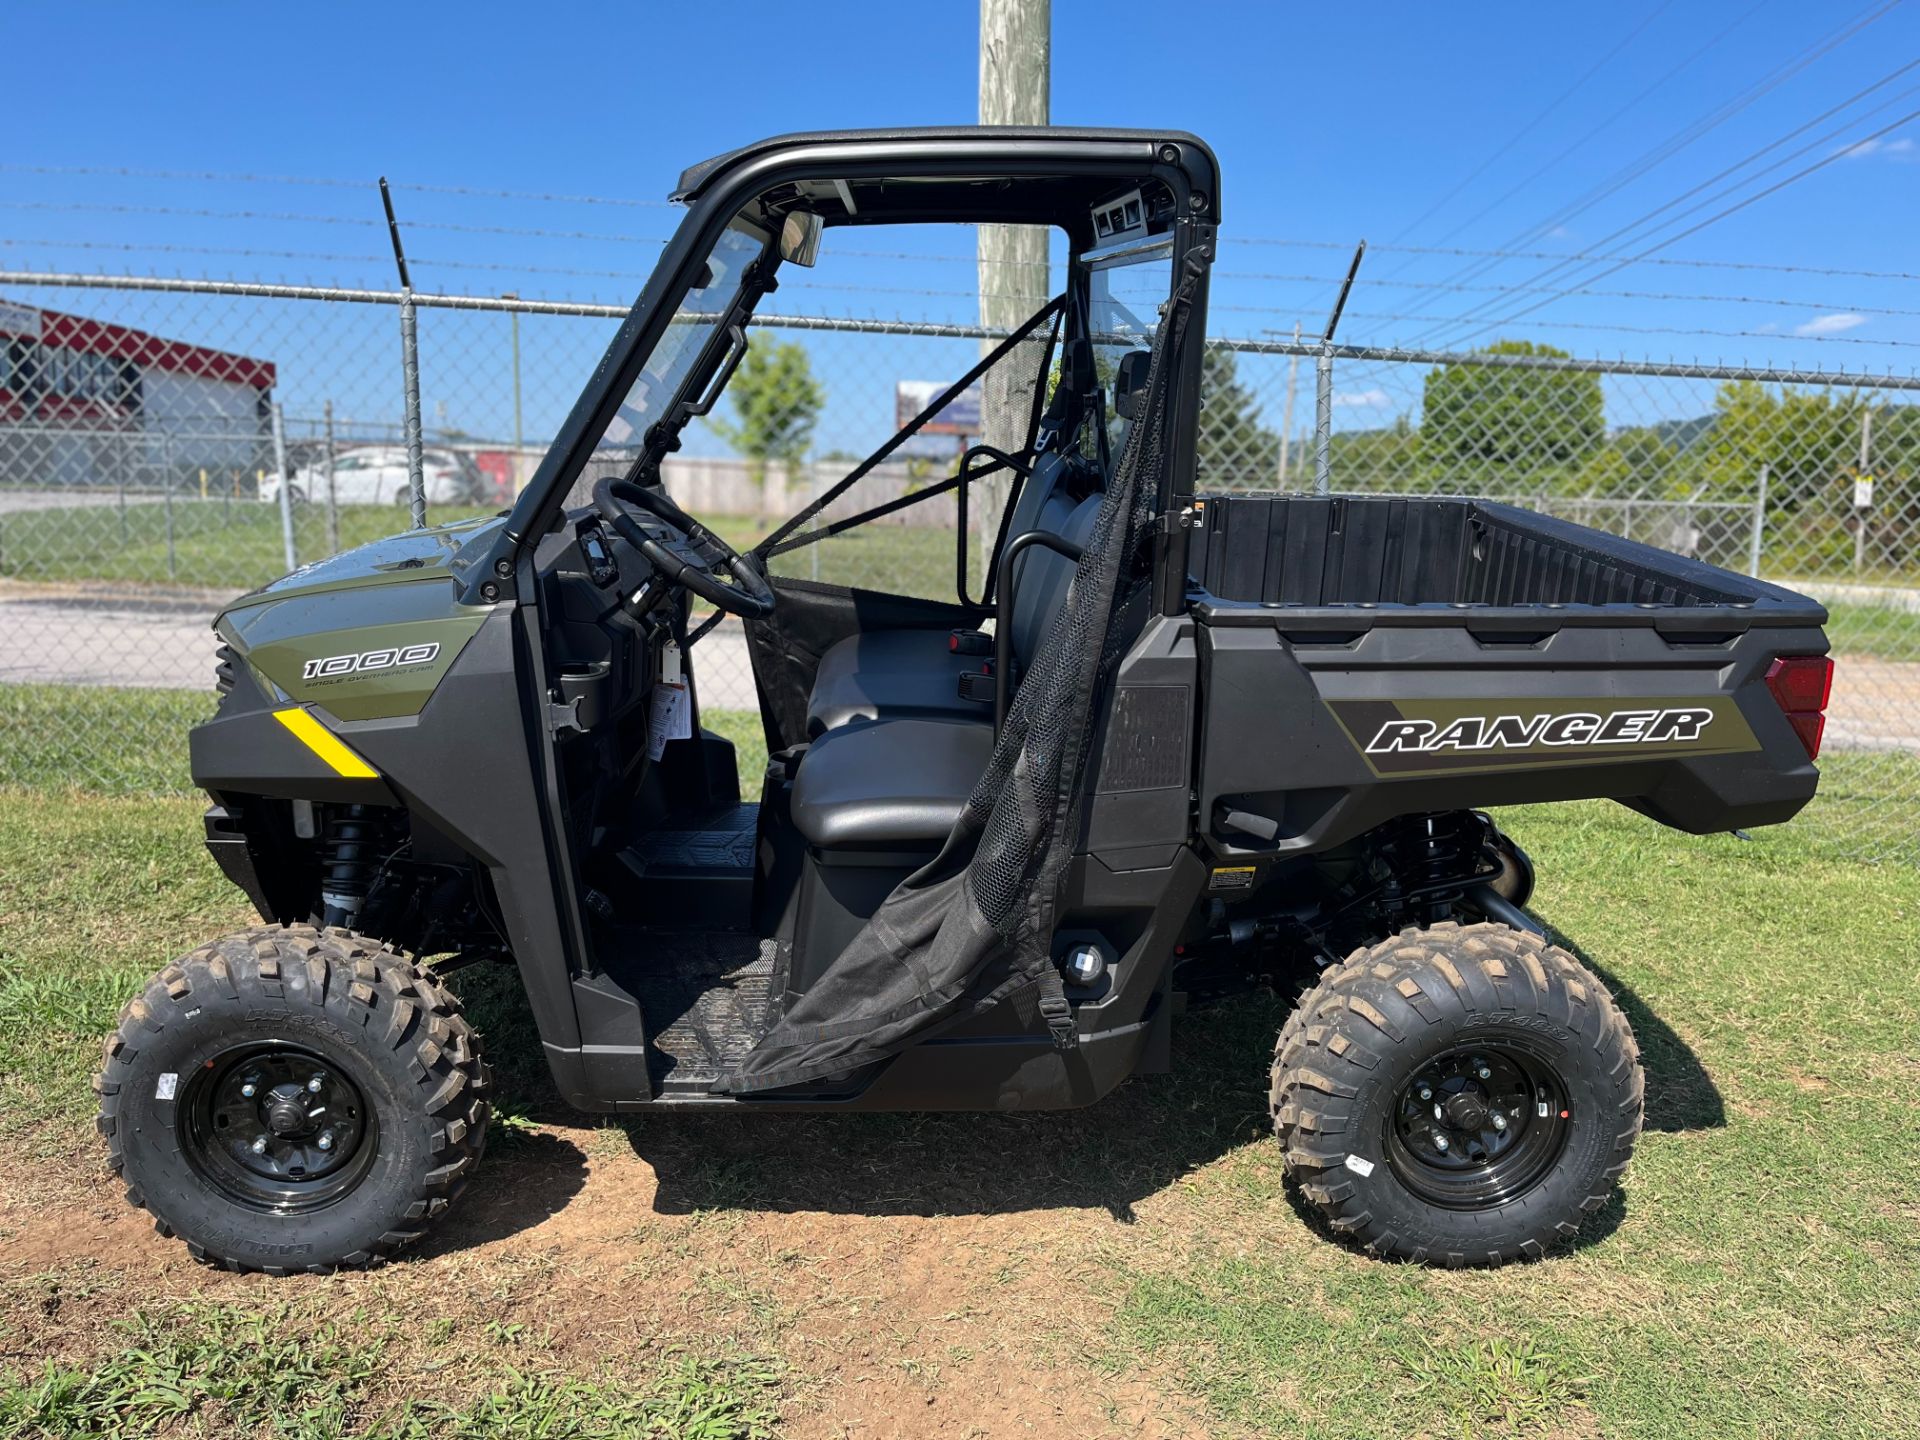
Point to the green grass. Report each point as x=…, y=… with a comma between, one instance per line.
x=1880, y=631
x=237, y=546
x=1759, y=1272
x=220, y=1369
x=216, y=546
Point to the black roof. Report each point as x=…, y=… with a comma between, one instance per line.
x=1017, y=140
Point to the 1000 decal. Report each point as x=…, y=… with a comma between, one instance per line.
x=393, y=657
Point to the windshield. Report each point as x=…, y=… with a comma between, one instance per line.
x=1124, y=300
x=684, y=339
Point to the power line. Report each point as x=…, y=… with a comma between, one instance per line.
x=1345, y=247
x=1534, y=124
x=1798, y=175
x=1660, y=154
x=1670, y=147
x=1638, y=223
x=1632, y=104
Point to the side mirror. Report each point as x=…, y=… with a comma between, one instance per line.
x=800, y=238
x=1129, y=379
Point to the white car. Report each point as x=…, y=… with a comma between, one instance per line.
x=377, y=475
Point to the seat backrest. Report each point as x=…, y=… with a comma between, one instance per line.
x=1041, y=576
x=1037, y=489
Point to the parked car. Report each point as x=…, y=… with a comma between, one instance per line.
x=377, y=475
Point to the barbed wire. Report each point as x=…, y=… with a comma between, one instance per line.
x=1270, y=277
x=242, y=178
x=1219, y=307
x=288, y=218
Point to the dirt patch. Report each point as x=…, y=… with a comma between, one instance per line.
x=888, y=1324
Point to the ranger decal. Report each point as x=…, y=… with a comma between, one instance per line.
x=1430, y=737
x=1478, y=732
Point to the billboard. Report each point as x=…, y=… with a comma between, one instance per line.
x=961, y=415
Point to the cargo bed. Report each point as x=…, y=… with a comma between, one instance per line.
x=1367, y=656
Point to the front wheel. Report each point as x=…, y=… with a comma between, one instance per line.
x=293, y=1099
x=1460, y=1095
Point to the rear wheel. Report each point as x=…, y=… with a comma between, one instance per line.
x=293, y=1099
x=1461, y=1095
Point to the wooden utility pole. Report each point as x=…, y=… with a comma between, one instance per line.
x=1016, y=60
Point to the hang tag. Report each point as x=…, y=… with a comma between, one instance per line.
x=669, y=664
x=669, y=717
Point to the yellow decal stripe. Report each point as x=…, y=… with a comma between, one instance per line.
x=324, y=743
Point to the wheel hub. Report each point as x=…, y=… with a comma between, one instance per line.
x=278, y=1127
x=1467, y=1111
x=1476, y=1127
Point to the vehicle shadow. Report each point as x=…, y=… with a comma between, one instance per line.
x=1681, y=1094
x=1133, y=1144
x=527, y=1176
x=1130, y=1145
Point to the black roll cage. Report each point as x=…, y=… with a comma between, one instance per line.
x=1011, y=175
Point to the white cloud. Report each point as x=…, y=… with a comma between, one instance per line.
x=1897, y=149
x=1829, y=324
x=1560, y=232
x=1363, y=399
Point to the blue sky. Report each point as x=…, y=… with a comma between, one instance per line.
x=1474, y=127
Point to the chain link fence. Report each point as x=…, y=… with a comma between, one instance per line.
x=148, y=430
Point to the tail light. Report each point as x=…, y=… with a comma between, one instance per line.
x=1801, y=686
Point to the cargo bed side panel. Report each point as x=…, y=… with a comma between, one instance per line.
x=1331, y=739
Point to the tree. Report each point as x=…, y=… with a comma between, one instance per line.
x=1236, y=451
x=1497, y=428
x=1636, y=463
x=776, y=403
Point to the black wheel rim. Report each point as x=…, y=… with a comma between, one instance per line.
x=1477, y=1126
x=278, y=1127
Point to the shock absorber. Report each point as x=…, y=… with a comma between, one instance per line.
x=351, y=847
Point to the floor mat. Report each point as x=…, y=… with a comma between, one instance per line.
x=723, y=843
x=707, y=997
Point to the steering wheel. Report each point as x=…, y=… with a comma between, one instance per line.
x=690, y=555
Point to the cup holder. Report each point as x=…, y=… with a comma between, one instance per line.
x=583, y=690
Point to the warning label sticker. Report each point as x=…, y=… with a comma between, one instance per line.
x=1232, y=877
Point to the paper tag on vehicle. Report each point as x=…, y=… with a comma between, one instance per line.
x=167, y=1085
x=1359, y=1165
x=670, y=717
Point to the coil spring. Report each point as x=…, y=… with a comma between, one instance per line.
x=1434, y=852
x=353, y=841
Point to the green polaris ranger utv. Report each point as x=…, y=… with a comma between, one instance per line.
x=1157, y=747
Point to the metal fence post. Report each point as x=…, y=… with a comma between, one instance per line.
x=409, y=363
x=166, y=480
x=286, y=488
x=410, y=378
x=1759, y=524
x=333, y=499
x=1323, y=421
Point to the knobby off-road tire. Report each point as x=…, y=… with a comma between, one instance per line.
x=337, y=1036
x=1430, y=1010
